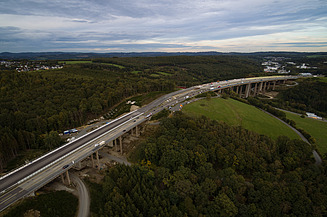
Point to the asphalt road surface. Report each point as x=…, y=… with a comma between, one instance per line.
x=84, y=197
x=28, y=178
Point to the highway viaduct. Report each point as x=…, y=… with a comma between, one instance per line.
x=27, y=179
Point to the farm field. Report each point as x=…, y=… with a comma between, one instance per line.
x=111, y=64
x=75, y=61
x=316, y=128
x=237, y=113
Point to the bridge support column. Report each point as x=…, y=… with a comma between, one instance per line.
x=111, y=144
x=98, y=161
x=92, y=160
x=255, y=89
x=284, y=81
x=121, y=145
x=268, y=85
x=62, y=178
x=247, y=90
x=260, y=87
x=137, y=132
x=68, y=179
x=240, y=91
x=264, y=87
x=116, y=145
x=274, y=85
x=237, y=89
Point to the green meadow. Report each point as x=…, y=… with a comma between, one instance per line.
x=237, y=113
x=316, y=128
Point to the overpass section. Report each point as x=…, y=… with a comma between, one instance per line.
x=27, y=179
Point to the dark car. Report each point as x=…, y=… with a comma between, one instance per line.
x=64, y=167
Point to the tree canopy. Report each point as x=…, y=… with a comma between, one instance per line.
x=199, y=167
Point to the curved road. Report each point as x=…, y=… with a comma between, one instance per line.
x=84, y=197
x=37, y=173
x=314, y=152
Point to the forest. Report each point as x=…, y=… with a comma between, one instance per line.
x=35, y=106
x=310, y=95
x=200, y=167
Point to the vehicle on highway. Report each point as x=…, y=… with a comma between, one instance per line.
x=64, y=167
x=149, y=115
x=96, y=145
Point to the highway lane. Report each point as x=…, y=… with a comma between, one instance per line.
x=53, y=171
x=49, y=173
x=30, y=169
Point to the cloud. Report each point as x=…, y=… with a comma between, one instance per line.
x=143, y=25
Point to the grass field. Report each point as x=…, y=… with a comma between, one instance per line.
x=316, y=128
x=323, y=79
x=111, y=64
x=75, y=61
x=237, y=113
x=164, y=73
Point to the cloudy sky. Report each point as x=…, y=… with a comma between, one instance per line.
x=163, y=25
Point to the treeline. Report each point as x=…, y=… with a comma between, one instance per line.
x=36, y=106
x=199, y=167
x=58, y=203
x=310, y=95
x=190, y=69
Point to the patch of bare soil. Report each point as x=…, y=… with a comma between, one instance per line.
x=32, y=213
x=134, y=107
x=57, y=185
x=271, y=94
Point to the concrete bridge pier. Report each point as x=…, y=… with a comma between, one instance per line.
x=247, y=90
x=62, y=178
x=264, y=87
x=274, y=85
x=111, y=143
x=260, y=87
x=240, y=91
x=255, y=89
x=237, y=89
x=92, y=161
x=121, y=145
x=68, y=179
x=98, y=160
x=116, y=145
x=137, y=132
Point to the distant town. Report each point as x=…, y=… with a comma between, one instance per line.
x=282, y=65
x=26, y=66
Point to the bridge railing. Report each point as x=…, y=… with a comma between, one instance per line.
x=61, y=147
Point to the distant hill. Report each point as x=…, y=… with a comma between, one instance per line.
x=75, y=55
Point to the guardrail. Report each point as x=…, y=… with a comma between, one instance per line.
x=59, y=148
x=66, y=155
